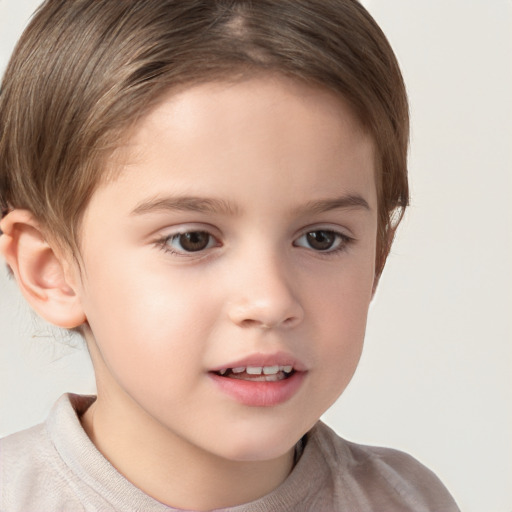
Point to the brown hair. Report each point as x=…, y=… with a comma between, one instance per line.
x=85, y=70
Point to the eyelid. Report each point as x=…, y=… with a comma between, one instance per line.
x=335, y=233
x=335, y=228
x=345, y=239
x=189, y=227
x=169, y=233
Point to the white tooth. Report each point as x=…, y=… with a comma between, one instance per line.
x=258, y=378
x=222, y=372
x=272, y=378
x=254, y=370
x=287, y=369
x=239, y=369
x=270, y=370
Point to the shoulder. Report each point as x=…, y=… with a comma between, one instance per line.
x=382, y=477
x=31, y=474
x=18, y=449
x=55, y=467
x=34, y=474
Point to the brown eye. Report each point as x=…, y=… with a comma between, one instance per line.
x=192, y=241
x=321, y=240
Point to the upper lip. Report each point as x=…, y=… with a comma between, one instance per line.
x=260, y=359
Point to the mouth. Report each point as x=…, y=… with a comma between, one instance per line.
x=260, y=380
x=273, y=373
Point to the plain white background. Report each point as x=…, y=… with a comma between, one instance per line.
x=435, y=377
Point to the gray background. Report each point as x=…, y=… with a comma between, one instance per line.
x=435, y=378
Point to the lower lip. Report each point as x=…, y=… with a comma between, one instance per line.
x=260, y=394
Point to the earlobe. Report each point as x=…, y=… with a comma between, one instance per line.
x=39, y=270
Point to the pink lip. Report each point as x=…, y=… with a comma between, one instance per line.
x=261, y=394
x=275, y=359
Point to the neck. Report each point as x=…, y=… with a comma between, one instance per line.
x=170, y=469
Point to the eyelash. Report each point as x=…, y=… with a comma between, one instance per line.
x=341, y=241
x=164, y=243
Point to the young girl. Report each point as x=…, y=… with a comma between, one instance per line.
x=207, y=191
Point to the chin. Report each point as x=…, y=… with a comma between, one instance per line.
x=261, y=442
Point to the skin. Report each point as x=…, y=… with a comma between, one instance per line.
x=273, y=154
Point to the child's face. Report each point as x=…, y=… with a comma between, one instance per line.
x=241, y=232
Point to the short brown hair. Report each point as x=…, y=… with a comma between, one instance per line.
x=84, y=71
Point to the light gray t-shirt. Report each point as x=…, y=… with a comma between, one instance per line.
x=54, y=467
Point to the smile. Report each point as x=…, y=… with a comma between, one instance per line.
x=258, y=373
x=267, y=385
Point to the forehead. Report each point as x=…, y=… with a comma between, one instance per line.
x=273, y=132
x=246, y=101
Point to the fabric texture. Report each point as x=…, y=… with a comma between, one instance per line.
x=54, y=467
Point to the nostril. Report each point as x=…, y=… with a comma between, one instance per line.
x=251, y=323
x=280, y=312
x=290, y=321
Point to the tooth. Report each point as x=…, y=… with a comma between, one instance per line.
x=222, y=372
x=272, y=378
x=270, y=370
x=254, y=370
x=287, y=369
x=239, y=369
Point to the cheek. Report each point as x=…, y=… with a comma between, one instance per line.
x=343, y=329
x=146, y=324
x=342, y=297
x=341, y=311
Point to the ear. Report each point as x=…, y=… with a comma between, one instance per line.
x=42, y=273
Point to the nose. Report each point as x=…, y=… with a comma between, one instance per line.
x=264, y=296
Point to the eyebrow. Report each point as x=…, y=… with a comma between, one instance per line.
x=187, y=204
x=220, y=206
x=346, y=202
